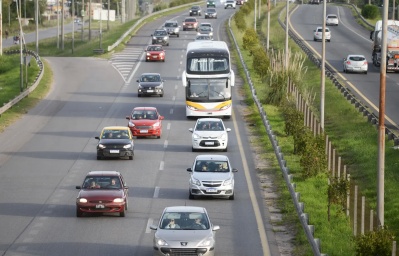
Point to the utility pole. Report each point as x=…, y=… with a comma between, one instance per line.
x=381, y=123
x=73, y=25
x=62, y=25
x=286, y=34
x=109, y=3
x=83, y=18
x=255, y=16
x=123, y=11
x=89, y=20
x=268, y=25
x=37, y=24
x=323, y=67
x=1, y=28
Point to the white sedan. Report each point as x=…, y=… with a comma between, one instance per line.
x=209, y=133
x=332, y=20
x=318, y=34
x=355, y=63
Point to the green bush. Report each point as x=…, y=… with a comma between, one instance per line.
x=370, y=11
x=378, y=242
x=250, y=39
x=313, y=157
x=260, y=62
x=239, y=19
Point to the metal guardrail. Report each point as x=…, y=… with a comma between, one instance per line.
x=30, y=88
x=299, y=206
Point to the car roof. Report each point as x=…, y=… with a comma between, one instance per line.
x=171, y=21
x=212, y=157
x=145, y=108
x=115, y=128
x=190, y=18
x=103, y=173
x=150, y=74
x=213, y=119
x=333, y=15
x=185, y=209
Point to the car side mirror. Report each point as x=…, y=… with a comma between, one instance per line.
x=152, y=35
x=97, y=137
x=190, y=130
x=161, y=117
x=137, y=81
x=228, y=130
x=235, y=170
x=189, y=170
x=128, y=117
x=153, y=227
x=78, y=187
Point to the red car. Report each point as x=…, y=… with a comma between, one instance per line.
x=102, y=192
x=145, y=122
x=155, y=53
x=190, y=23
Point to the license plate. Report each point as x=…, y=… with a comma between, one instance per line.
x=160, y=40
x=211, y=190
x=100, y=206
x=143, y=131
x=150, y=90
x=190, y=26
x=209, y=143
x=114, y=151
x=155, y=56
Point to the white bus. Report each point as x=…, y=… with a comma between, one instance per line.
x=208, y=79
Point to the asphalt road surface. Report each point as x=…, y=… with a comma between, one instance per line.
x=45, y=154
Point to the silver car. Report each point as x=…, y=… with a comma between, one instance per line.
x=184, y=230
x=355, y=63
x=212, y=176
x=172, y=27
x=332, y=19
x=209, y=133
x=318, y=34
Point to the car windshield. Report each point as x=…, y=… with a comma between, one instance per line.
x=357, y=58
x=209, y=126
x=184, y=221
x=195, y=8
x=160, y=33
x=211, y=10
x=115, y=134
x=102, y=182
x=154, y=48
x=144, y=114
x=150, y=78
x=211, y=166
x=190, y=20
x=205, y=29
x=171, y=25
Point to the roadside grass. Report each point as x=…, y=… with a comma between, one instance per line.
x=10, y=75
x=355, y=141
x=18, y=110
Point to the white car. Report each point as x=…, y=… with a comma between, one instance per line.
x=230, y=3
x=184, y=230
x=332, y=20
x=209, y=133
x=211, y=176
x=318, y=34
x=355, y=63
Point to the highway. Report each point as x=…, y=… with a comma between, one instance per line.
x=348, y=38
x=48, y=152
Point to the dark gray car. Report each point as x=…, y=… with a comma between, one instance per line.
x=150, y=84
x=160, y=36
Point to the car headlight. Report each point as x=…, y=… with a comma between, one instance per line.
x=154, y=37
x=140, y=86
x=156, y=124
x=127, y=146
x=195, y=181
x=228, y=182
x=160, y=242
x=198, y=33
x=101, y=146
x=159, y=86
x=206, y=242
x=223, y=136
x=165, y=38
x=211, y=34
x=82, y=200
x=225, y=107
x=148, y=54
x=131, y=124
x=184, y=23
x=196, y=136
x=118, y=200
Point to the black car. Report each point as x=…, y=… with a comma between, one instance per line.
x=160, y=36
x=150, y=84
x=115, y=142
x=195, y=10
x=211, y=13
x=210, y=3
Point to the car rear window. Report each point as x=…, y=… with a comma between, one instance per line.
x=332, y=16
x=357, y=58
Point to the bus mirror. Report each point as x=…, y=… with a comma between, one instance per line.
x=184, y=79
x=232, y=77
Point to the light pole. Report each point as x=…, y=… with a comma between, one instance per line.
x=323, y=66
x=268, y=25
x=37, y=24
x=1, y=28
x=286, y=34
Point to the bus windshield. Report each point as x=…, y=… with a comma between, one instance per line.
x=219, y=65
x=208, y=90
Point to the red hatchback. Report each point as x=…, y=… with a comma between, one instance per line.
x=145, y=122
x=155, y=53
x=102, y=192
